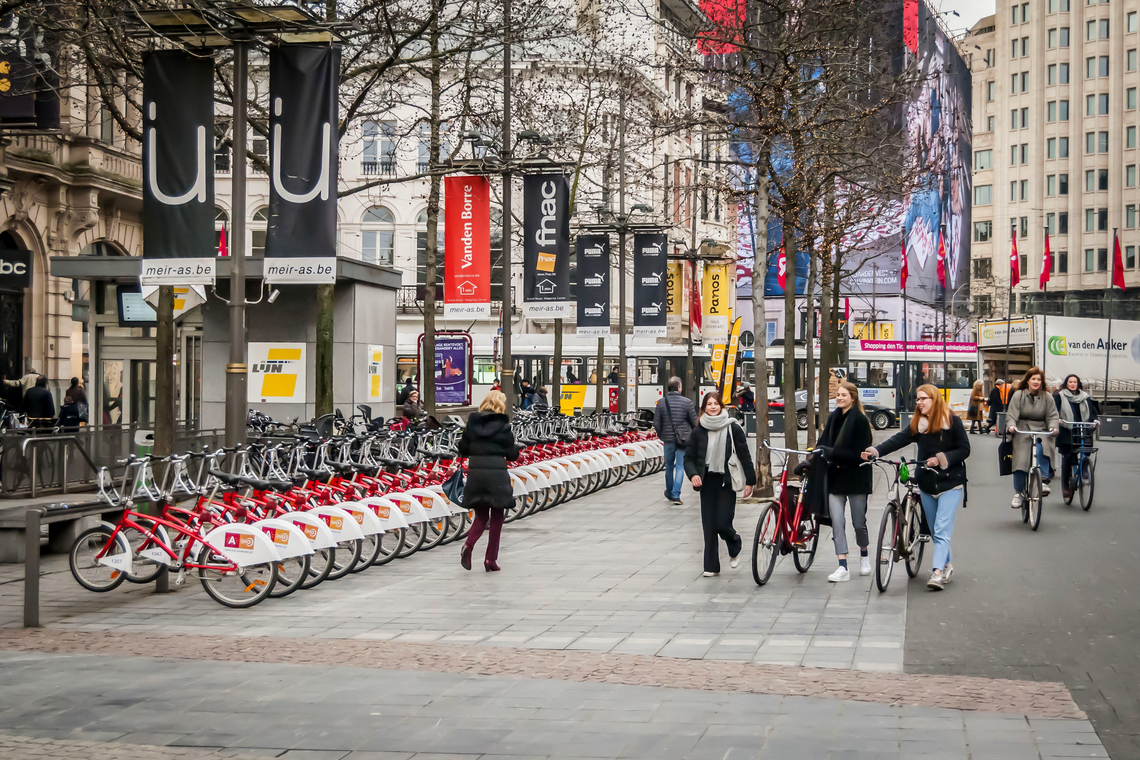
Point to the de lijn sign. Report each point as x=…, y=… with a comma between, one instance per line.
x=15, y=269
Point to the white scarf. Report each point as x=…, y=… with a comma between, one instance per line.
x=718, y=432
x=1080, y=398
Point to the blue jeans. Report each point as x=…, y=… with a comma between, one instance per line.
x=940, y=513
x=674, y=469
x=1021, y=477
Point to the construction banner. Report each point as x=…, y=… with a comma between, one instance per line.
x=650, y=289
x=717, y=304
x=593, y=285
x=546, y=247
x=467, y=247
x=730, y=361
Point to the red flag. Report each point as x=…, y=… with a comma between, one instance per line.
x=905, y=270
x=1046, y=263
x=222, y=251
x=1014, y=263
x=847, y=309
x=782, y=268
x=941, y=260
x=696, y=310
x=1117, y=264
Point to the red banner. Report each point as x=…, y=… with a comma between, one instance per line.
x=467, y=247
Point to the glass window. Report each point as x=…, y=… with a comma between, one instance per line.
x=1104, y=29
x=983, y=231
x=1090, y=259
x=1090, y=142
x=983, y=268
x=1013, y=118
x=1051, y=111
x=990, y=91
x=1130, y=98
x=1052, y=40
x=1052, y=6
x=1102, y=104
x=1024, y=190
x=1102, y=220
x=1051, y=74
x=1130, y=175
x=1063, y=110
x=1130, y=137
x=1024, y=226
x=1013, y=190
x=1103, y=69
x=1132, y=59
x=1024, y=46
x=483, y=369
x=1102, y=179
x=1062, y=147
x=990, y=123
x=1090, y=181
x=647, y=371
x=961, y=374
x=1013, y=83
x=1051, y=223
x=1062, y=184
x=983, y=159
x=1025, y=81
x=1051, y=184
x=1102, y=259
x=1051, y=148
x=1064, y=36
x=1063, y=223
x=1131, y=21
x=983, y=195
x=1063, y=72
x=1013, y=155
x=1090, y=29
x=1130, y=256
x=1102, y=142
x=873, y=374
x=377, y=236
x=1090, y=220
x=1130, y=216
x=1024, y=118
x=1025, y=13
x=1090, y=105
x=1062, y=262
x=1013, y=48
x=1025, y=153
x=1014, y=9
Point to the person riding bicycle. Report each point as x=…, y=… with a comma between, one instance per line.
x=1073, y=405
x=1031, y=408
x=845, y=436
x=943, y=448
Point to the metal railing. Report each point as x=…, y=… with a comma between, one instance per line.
x=410, y=300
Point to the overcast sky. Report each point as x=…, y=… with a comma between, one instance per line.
x=969, y=11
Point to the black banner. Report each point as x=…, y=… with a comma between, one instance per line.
x=593, y=284
x=178, y=169
x=650, y=284
x=303, y=113
x=546, y=246
x=15, y=269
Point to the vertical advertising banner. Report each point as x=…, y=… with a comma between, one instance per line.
x=178, y=170
x=593, y=285
x=715, y=299
x=452, y=368
x=375, y=373
x=650, y=289
x=467, y=247
x=675, y=301
x=276, y=373
x=730, y=362
x=300, y=244
x=546, y=247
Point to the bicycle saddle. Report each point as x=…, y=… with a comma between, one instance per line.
x=281, y=486
x=228, y=478
x=314, y=474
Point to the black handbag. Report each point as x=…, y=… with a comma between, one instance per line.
x=453, y=487
x=1005, y=455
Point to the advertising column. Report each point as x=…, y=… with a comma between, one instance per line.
x=467, y=247
x=546, y=247
x=650, y=291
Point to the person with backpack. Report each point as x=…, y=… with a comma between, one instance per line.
x=845, y=437
x=943, y=447
x=674, y=419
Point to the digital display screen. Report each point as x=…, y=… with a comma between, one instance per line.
x=133, y=310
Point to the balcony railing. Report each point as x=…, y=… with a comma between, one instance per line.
x=410, y=300
x=385, y=167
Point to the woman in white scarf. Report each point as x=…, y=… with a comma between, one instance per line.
x=1073, y=405
x=719, y=465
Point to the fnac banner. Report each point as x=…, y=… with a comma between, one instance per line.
x=178, y=171
x=715, y=300
x=300, y=243
x=467, y=247
x=546, y=247
x=276, y=373
x=593, y=285
x=650, y=289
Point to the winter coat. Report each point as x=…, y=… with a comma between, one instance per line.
x=845, y=473
x=413, y=410
x=675, y=424
x=38, y=403
x=1030, y=411
x=951, y=446
x=977, y=399
x=698, y=445
x=996, y=404
x=77, y=394
x=488, y=444
x=1082, y=411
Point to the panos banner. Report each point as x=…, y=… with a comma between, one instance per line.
x=546, y=247
x=593, y=285
x=178, y=171
x=467, y=247
x=675, y=300
x=717, y=307
x=650, y=287
x=300, y=245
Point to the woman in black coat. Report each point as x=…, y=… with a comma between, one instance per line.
x=488, y=444
x=845, y=437
x=718, y=446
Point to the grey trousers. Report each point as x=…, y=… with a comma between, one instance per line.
x=858, y=502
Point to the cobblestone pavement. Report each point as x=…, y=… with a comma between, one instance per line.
x=316, y=711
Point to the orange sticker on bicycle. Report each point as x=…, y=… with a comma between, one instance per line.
x=359, y=516
x=383, y=512
x=333, y=521
x=309, y=530
x=239, y=541
x=277, y=535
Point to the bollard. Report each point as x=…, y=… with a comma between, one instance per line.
x=33, y=471
x=32, y=569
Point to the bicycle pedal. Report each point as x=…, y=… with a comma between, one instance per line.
x=180, y=578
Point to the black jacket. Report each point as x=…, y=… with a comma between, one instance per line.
x=677, y=423
x=488, y=443
x=954, y=444
x=996, y=404
x=1065, y=434
x=413, y=411
x=698, y=446
x=38, y=402
x=845, y=473
x=404, y=393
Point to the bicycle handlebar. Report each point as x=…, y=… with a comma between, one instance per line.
x=1035, y=432
x=789, y=451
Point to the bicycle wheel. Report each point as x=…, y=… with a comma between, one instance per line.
x=390, y=543
x=1035, y=498
x=414, y=536
x=764, y=544
x=454, y=527
x=519, y=506
x=145, y=570
x=803, y=553
x=436, y=532
x=886, y=547
x=85, y=568
x=916, y=546
x=1086, y=489
x=1074, y=478
x=233, y=586
x=347, y=557
x=291, y=573
x=320, y=565
x=369, y=551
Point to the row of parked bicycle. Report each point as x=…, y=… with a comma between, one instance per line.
x=290, y=513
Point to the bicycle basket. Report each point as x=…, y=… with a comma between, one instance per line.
x=1083, y=438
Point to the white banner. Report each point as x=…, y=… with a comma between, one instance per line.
x=1080, y=346
x=289, y=270
x=992, y=334
x=177, y=272
x=276, y=373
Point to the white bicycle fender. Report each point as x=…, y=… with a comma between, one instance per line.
x=315, y=530
x=343, y=525
x=244, y=545
x=551, y=472
x=367, y=520
x=287, y=538
x=122, y=561
x=536, y=480
x=386, y=511
x=414, y=512
x=435, y=504
x=518, y=485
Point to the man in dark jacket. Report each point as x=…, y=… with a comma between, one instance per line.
x=747, y=399
x=997, y=404
x=405, y=392
x=39, y=406
x=674, y=420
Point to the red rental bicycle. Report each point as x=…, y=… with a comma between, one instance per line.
x=783, y=527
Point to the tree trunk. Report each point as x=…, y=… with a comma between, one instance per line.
x=430, y=249
x=324, y=357
x=791, y=438
x=759, y=320
x=809, y=344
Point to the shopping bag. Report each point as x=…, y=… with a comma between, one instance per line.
x=1005, y=456
x=453, y=486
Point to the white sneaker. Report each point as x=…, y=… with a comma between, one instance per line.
x=864, y=566
x=841, y=574
x=711, y=575
x=948, y=573
x=1016, y=501
x=1045, y=489
x=734, y=562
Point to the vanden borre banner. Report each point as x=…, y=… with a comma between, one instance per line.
x=650, y=288
x=178, y=169
x=546, y=247
x=593, y=285
x=300, y=244
x=715, y=299
x=467, y=247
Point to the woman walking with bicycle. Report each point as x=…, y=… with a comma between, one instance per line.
x=943, y=448
x=489, y=444
x=1031, y=408
x=1073, y=405
x=845, y=436
x=718, y=464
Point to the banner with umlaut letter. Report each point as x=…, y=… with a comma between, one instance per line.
x=593, y=285
x=300, y=244
x=178, y=170
x=650, y=286
x=467, y=247
x=546, y=247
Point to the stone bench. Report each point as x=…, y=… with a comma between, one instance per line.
x=65, y=522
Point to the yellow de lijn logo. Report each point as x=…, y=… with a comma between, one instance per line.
x=1058, y=346
x=279, y=373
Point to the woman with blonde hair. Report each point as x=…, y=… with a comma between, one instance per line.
x=488, y=444
x=943, y=448
x=845, y=436
x=977, y=401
